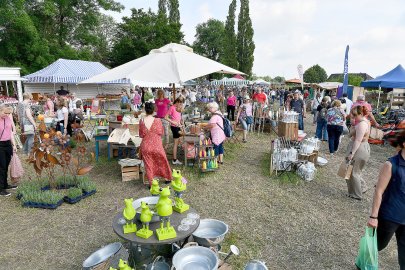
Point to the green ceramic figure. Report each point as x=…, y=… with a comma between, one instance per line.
x=164, y=209
x=179, y=187
x=123, y=265
x=155, y=189
x=129, y=214
x=146, y=217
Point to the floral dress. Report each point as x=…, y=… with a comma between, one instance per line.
x=152, y=152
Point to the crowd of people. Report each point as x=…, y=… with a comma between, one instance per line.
x=334, y=118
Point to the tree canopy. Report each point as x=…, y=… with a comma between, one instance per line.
x=209, y=39
x=354, y=80
x=315, y=74
x=229, y=43
x=245, y=43
x=36, y=32
x=139, y=34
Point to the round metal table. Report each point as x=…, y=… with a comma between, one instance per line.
x=143, y=251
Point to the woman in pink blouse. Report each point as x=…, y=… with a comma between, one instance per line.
x=216, y=126
x=7, y=147
x=231, y=105
x=173, y=116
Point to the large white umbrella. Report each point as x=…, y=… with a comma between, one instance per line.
x=173, y=63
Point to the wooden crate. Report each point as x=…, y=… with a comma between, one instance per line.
x=130, y=173
x=288, y=130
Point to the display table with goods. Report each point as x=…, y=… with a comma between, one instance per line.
x=124, y=137
x=296, y=156
x=198, y=147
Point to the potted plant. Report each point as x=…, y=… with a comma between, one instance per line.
x=74, y=195
x=56, y=153
x=88, y=187
x=42, y=199
x=65, y=182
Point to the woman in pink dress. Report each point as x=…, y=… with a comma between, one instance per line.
x=152, y=152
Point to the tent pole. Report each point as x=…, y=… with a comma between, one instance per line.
x=174, y=92
x=378, y=100
x=7, y=88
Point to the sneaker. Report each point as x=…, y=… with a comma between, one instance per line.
x=11, y=187
x=177, y=162
x=4, y=193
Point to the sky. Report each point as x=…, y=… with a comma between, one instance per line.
x=308, y=32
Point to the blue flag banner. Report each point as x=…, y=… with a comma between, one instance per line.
x=346, y=71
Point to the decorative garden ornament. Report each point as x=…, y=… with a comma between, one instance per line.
x=179, y=185
x=164, y=209
x=129, y=214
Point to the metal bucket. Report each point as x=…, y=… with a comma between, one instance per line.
x=195, y=258
x=97, y=259
x=255, y=265
x=158, y=264
x=210, y=232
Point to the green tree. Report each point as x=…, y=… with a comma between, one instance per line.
x=106, y=32
x=174, y=13
x=279, y=79
x=354, y=80
x=20, y=42
x=315, y=74
x=162, y=7
x=209, y=39
x=33, y=33
x=71, y=22
x=245, y=43
x=229, y=52
x=140, y=33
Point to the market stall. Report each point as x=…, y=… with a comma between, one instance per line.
x=69, y=74
x=291, y=151
x=10, y=82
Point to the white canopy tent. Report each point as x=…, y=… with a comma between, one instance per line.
x=172, y=63
x=8, y=74
x=329, y=85
x=262, y=82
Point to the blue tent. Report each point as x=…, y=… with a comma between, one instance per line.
x=392, y=79
x=68, y=71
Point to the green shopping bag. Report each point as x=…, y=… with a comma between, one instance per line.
x=367, y=259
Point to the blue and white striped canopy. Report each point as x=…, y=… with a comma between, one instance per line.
x=68, y=71
x=230, y=81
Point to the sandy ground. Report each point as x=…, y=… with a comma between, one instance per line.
x=289, y=224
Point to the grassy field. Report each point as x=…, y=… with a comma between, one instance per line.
x=286, y=222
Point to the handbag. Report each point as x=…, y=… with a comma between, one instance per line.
x=367, y=258
x=249, y=120
x=16, y=169
x=29, y=129
x=345, y=169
